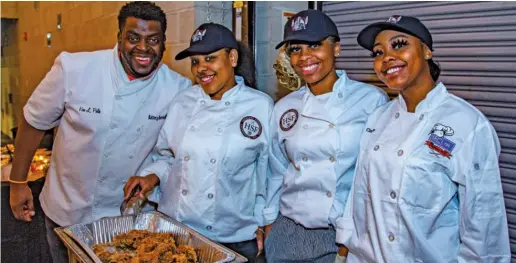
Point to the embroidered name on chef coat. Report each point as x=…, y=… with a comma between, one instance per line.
x=89, y=110
x=288, y=119
x=250, y=127
x=157, y=118
x=438, y=143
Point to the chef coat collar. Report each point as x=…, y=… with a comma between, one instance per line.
x=338, y=96
x=432, y=100
x=339, y=85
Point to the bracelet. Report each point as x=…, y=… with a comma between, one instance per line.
x=261, y=229
x=17, y=182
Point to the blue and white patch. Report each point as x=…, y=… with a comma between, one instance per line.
x=438, y=143
x=442, y=142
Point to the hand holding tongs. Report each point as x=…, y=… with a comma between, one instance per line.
x=132, y=205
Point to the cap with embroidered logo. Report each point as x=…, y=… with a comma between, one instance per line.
x=208, y=38
x=309, y=25
x=405, y=24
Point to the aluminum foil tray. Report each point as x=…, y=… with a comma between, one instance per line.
x=104, y=230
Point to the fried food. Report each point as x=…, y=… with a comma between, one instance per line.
x=142, y=246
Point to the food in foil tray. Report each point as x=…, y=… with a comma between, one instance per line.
x=142, y=246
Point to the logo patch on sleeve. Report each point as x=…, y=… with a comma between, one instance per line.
x=438, y=143
x=250, y=127
x=288, y=119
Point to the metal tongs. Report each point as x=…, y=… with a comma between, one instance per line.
x=134, y=204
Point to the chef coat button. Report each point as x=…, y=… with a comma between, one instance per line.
x=331, y=125
x=184, y=192
x=130, y=157
x=144, y=101
x=400, y=152
x=139, y=129
x=219, y=129
x=476, y=166
x=391, y=237
x=228, y=103
x=210, y=196
x=112, y=125
x=397, y=115
x=192, y=128
x=304, y=159
x=106, y=154
x=213, y=160
x=208, y=227
x=118, y=97
x=340, y=95
x=186, y=158
x=393, y=195
x=376, y=147
x=101, y=180
x=202, y=102
x=328, y=194
x=332, y=159
x=421, y=117
x=305, y=126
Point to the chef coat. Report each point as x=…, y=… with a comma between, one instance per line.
x=211, y=158
x=427, y=186
x=107, y=127
x=314, y=147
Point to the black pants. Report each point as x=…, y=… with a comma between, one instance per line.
x=248, y=249
x=58, y=250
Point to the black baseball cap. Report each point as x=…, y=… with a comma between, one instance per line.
x=405, y=24
x=208, y=38
x=309, y=25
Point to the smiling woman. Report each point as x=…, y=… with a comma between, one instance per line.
x=314, y=145
x=318, y=68
x=428, y=168
x=213, y=149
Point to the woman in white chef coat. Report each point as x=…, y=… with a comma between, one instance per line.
x=313, y=146
x=427, y=185
x=212, y=152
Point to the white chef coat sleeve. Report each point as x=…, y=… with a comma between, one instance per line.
x=261, y=175
x=162, y=156
x=344, y=224
x=278, y=164
x=483, y=227
x=45, y=106
x=184, y=83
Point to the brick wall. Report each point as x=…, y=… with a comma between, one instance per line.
x=9, y=9
x=86, y=26
x=9, y=74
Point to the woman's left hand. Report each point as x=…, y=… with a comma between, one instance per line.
x=260, y=233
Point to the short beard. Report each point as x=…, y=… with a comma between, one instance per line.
x=125, y=60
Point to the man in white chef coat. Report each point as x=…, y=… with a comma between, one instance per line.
x=110, y=106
